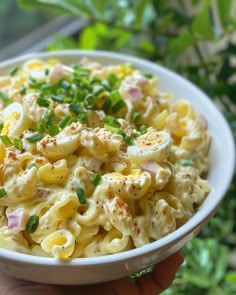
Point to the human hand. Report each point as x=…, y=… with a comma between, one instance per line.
x=148, y=284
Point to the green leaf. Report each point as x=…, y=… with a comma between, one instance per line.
x=140, y=8
x=62, y=5
x=230, y=277
x=179, y=44
x=202, y=25
x=224, y=11
x=88, y=38
x=159, y=5
x=62, y=42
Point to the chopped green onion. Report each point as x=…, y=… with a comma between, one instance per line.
x=106, y=105
x=112, y=122
x=74, y=108
x=148, y=75
x=89, y=102
x=6, y=140
x=57, y=98
x=32, y=224
x=96, y=179
x=143, y=129
x=43, y=102
x=135, y=117
x=79, y=95
x=98, y=90
x=33, y=82
x=115, y=96
x=47, y=72
x=113, y=79
x=65, y=121
x=95, y=80
x=23, y=90
x=35, y=137
x=186, y=162
x=53, y=130
x=49, y=116
x=82, y=118
x=106, y=85
x=3, y=192
x=13, y=71
x=32, y=166
x=65, y=85
x=118, y=106
x=4, y=97
x=47, y=87
x=127, y=138
x=1, y=124
x=18, y=144
x=40, y=127
x=81, y=195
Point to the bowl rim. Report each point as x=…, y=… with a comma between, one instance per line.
x=170, y=239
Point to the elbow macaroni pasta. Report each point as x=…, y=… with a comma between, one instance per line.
x=104, y=160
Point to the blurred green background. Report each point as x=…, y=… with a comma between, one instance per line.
x=195, y=38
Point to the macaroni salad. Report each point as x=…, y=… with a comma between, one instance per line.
x=95, y=159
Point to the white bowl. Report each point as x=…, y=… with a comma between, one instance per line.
x=99, y=269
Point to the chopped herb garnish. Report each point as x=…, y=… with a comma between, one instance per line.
x=186, y=162
x=115, y=96
x=23, y=90
x=1, y=124
x=74, y=108
x=126, y=137
x=4, y=97
x=118, y=106
x=96, y=179
x=53, y=130
x=32, y=166
x=47, y=72
x=89, y=102
x=113, y=79
x=98, y=90
x=32, y=224
x=135, y=117
x=111, y=122
x=6, y=140
x=148, y=75
x=18, y=144
x=82, y=118
x=49, y=117
x=81, y=195
x=3, y=192
x=65, y=121
x=35, y=137
x=43, y=102
x=106, y=105
x=143, y=129
x=65, y=85
x=57, y=98
x=13, y=71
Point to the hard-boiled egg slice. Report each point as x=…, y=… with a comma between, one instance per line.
x=15, y=121
x=151, y=146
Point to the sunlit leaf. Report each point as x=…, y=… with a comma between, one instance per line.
x=62, y=42
x=62, y=5
x=225, y=10
x=179, y=44
x=88, y=38
x=202, y=25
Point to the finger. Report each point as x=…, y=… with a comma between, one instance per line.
x=161, y=277
x=12, y=286
x=164, y=272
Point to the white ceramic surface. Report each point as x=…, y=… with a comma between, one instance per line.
x=99, y=269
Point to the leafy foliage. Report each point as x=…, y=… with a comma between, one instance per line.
x=171, y=33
